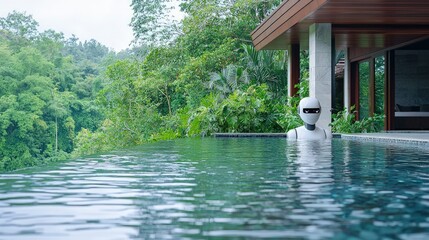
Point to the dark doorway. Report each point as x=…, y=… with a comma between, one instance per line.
x=412, y=87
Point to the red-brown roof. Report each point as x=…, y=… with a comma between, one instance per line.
x=355, y=23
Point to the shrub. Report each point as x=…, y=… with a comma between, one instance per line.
x=250, y=110
x=289, y=118
x=246, y=111
x=345, y=122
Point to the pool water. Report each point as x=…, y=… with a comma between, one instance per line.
x=224, y=189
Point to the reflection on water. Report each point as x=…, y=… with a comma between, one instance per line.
x=224, y=188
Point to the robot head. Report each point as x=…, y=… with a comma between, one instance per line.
x=309, y=110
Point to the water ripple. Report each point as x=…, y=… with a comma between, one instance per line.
x=224, y=188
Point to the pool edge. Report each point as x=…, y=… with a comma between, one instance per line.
x=423, y=139
x=388, y=137
x=249, y=135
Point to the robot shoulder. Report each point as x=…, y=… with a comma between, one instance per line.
x=292, y=134
x=328, y=133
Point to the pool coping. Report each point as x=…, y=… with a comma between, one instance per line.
x=417, y=138
x=250, y=135
x=409, y=137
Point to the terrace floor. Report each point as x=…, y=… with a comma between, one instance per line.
x=411, y=137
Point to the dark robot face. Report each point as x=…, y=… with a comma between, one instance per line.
x=311, y=110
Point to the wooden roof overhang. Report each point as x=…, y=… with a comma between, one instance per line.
x=369, y=24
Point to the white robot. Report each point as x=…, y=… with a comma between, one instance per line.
x=309, y=110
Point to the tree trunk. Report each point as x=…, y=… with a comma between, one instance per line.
x=56, y=134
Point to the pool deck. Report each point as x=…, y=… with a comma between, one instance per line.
x=410, y=137
x=413, y=137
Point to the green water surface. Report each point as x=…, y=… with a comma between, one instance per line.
x=210, y=188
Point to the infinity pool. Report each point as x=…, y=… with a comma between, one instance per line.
x=224, y=188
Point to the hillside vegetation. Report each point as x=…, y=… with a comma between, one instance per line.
x=192, y=77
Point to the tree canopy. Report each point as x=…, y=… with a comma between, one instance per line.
x=199, y=76
x=48, y=88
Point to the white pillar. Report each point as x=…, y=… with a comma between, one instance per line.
x=321, y=69
x=346, y=80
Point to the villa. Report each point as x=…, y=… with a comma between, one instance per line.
x=371, y=54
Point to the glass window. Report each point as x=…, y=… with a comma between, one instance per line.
x=364, y=90
x=379, y=85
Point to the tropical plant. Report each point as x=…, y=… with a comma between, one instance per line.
x=249, y=110
x=289, y=117
x=246, y=111
x=345, y=122
x=203, y=121
x=267, y=67
x=228, y=80
x=195, y=74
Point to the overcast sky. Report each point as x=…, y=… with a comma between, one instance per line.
x=106, y=21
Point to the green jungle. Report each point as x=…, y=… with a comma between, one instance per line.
x=61, y=98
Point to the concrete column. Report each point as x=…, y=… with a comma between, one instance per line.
x=293, y=69
x=347, y=80
x=321, y=69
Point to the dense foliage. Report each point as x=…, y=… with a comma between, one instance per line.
x=201, y=76
x=48, y=86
